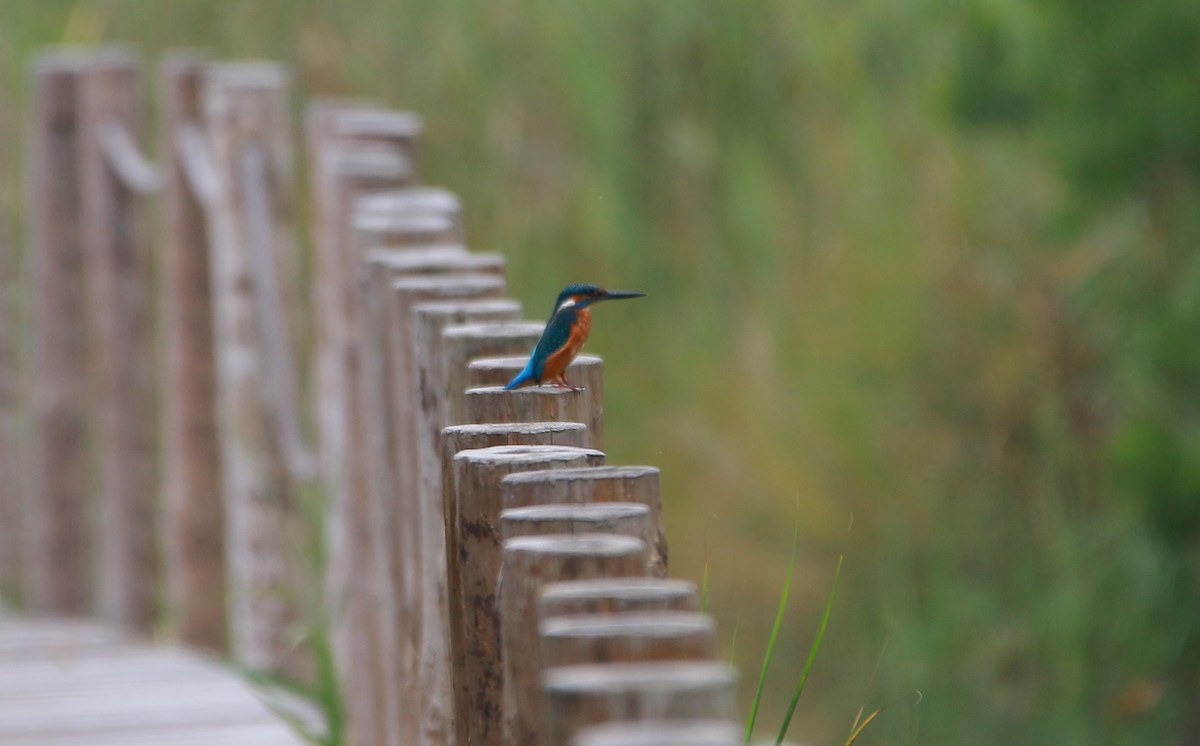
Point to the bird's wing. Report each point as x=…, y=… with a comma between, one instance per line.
x=556, y=334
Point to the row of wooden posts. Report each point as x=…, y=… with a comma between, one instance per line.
x=485, y=577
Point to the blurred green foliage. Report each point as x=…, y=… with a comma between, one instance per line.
x=931, y=265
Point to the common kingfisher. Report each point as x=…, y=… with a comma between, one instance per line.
x=564, y=335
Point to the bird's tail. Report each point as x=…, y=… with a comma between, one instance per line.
x=525, y=376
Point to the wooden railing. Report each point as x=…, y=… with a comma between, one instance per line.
x=485, y=577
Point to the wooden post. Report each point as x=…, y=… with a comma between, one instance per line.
x=586, y=371
x=193, y=519
x=58, y=542
x=624, y=519
x=357, y=474
x=476, y=643
x=406, y=229
x=579, y=696
x=422, y=199
x=618, y=595
x=529, y=562
x=246, y=114
x=434, y=260
x=533, y=404
x=429, y=320
x=637, y=484
x=663, y=733
x=116, y=259
x=628, y=638
x=399, y=129
x=470, y=437
x=398, y=517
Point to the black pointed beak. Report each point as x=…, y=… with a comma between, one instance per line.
x=619, y=294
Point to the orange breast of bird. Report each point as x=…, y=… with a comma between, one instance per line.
x=556, y=364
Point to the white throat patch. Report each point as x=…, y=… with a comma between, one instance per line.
x=568, y=303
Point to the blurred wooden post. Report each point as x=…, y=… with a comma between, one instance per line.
x=429, y=319
x=12, y=464
x=637, y=484
x=528, y=563
x=534, y=404
x=58, y=539
x=628, y=638
x=476, y=643
x=407, y=229
x=617, y=595
x=398, y=518
x=578, y=696
x=246, y=115
x=586, y=371
x=662, y=733
x=470, y=437
x=193, y=518
x=116, y=259
x=420, y=199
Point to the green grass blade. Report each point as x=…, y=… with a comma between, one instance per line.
x=704, y=590
x=766, y=664
x=812, y=655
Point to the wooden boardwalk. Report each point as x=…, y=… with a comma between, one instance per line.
x=69, y=682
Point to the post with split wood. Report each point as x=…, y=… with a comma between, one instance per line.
x=246, y=115
x=115, y=177
x=193, y=525
x=58, y=541
x=528, y=563
x=476, y=642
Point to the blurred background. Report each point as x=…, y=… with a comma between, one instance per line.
x=924, y=281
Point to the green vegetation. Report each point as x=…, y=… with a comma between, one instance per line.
x=932, y=264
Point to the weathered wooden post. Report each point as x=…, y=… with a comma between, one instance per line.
x=193, y=524
x=579, y=696
x=58, y=541
x=661, y=733
x=528, y=563
x=399, y=516
x=116, y=260
x=532, y=404
x=628, y=638
x=476, y=641
x=470, y=437
x=585, y=371
x=355, y=475
x=246, y=115
x=637, y=484
x=429, y=320
x=617, y=595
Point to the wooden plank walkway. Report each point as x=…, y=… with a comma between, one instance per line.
x=69, y=682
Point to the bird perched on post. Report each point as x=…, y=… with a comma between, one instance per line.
x=564, y=335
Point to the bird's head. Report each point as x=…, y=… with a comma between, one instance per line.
x=581, y=295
